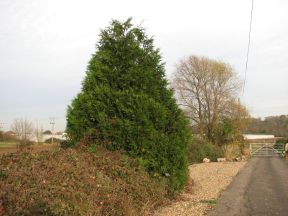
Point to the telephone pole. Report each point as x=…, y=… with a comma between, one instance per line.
x=1, y=125
x=52, y=122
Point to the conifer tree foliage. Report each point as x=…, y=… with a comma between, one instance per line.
x=126, y=99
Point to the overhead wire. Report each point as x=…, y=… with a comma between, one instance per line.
x=248, y=48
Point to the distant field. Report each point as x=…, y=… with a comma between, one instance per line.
x=8, y=144
x=10, y=147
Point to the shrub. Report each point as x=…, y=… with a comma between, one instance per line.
x=55, y=140
x=282, y=141
x=3, y=175
x=126, y=99
x=24, y=144
x=234, y=150
x=201, y=149
x=47, y=132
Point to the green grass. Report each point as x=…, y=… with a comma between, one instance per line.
x=7, y=144
x=210, y=201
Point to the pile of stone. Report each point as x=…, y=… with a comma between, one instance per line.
x=241, y=158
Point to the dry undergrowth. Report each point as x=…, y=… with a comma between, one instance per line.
x=71, y=182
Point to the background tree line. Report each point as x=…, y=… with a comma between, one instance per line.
x=276, y=125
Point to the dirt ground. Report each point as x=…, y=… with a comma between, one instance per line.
x=208, y=181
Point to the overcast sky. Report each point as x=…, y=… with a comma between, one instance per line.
x=45, y=47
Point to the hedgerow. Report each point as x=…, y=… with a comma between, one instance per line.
x=75, y=182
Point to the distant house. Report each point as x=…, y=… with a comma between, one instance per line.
x=45, y=136
x=10, y=133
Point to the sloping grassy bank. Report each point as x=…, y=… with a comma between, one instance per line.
x=74, y=182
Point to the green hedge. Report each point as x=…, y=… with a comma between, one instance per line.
x=125, y=103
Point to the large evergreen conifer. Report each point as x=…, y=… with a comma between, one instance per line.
x=125, y=98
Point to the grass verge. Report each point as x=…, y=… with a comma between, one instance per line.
x=209, y=201
x=8, y=144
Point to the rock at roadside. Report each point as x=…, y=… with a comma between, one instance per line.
x=221, y=159
x=206, y=160
x=238, y=159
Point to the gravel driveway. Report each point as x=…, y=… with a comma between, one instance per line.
x=209, y=180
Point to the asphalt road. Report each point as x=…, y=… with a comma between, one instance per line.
x=260, y=188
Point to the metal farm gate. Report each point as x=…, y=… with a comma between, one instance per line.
x=267, y=149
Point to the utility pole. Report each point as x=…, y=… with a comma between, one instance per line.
x=52, y=122
x=1, y=125
x=37, y=132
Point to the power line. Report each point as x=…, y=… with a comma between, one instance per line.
x=248, y=48
x=52, y=122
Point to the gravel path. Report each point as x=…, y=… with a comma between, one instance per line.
x=209, y=180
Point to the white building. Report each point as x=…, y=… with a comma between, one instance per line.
x=257, y=136
x=48, y=136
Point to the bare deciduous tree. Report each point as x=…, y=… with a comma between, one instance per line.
x=38, y=132
x=208, y=91
x=23, y=129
